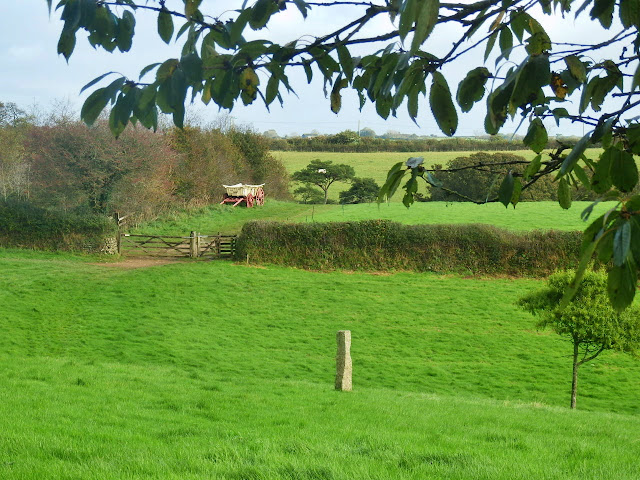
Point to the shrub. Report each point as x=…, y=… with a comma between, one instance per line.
x=362, y=190
x=25, y=225
x=384, y=245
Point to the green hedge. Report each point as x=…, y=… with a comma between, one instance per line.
x=28, y=226
x=384, y=245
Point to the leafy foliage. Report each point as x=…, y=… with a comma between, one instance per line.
x=588, y=321
x=533, y=78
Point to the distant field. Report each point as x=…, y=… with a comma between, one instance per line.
x=213, y=370
x=375, y=165
x=526, y=216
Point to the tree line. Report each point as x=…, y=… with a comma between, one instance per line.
x=349, y=141
x=60, y=163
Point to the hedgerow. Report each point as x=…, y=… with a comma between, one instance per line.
x=25, y=225
x=379, y=245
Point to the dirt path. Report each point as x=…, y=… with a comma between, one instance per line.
x=137, y=262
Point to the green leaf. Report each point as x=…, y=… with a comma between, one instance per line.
x=536, y=137
x=559, y=113
x=490, y=44
x=506, y=190
x=165, y=25
x=272, y=89
x=346, y=61
x=472, y=88
x=622, y=243
x=66, y=43
x=97, y=101
x=582, y=176
x=442, y=106
x=601, y=180
x=564, y=194
x=506, y=42
x=534, y=74
x=575, y=154
x=126, y=30
x=394, y=177
x=261, y=13
x=533, y=167
x=407, y=13
x=630, y=13
x=624, y=171
x=147, y=69
x=425, y=21
x=517, y=190
x=603, y=11
x=302, y=6
x=94, y=81
x=576, y=68
x=636, y=78
x=621, y=285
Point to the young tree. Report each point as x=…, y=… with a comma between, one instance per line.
x=323, y=174
x=362, y=190
x=588, y=322
x=532, y=78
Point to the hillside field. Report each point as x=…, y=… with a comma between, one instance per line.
x=198, y=370
x=376, y=165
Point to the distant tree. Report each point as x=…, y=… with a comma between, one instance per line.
x=346, y=137
x=588, y=321
x=367, y=132
x=363, y=190
x=462, y=183
x=323, y=174
x=308, y=194
x=271, y=134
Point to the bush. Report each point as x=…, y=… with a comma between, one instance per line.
x=384, y=245
x=362, y=190
x=25, y=225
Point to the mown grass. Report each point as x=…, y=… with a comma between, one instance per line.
x=215, y=370
x=526, y=216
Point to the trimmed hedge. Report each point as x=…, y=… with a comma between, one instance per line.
x=379, y=245
x=27, y=226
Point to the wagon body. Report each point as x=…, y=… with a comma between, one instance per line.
x=238, y=193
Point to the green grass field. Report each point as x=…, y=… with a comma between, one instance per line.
x=526, y=216
x=213, y=370
x=372, y=165
x=376, y=165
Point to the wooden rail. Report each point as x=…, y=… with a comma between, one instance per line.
x=193, y=246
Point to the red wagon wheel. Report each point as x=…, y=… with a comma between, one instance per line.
x=250, y=201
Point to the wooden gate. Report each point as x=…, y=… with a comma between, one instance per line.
x=193, y=246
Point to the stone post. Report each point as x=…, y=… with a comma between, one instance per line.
x=343, y=361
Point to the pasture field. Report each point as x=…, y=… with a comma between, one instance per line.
x=526, y=216
x=198, y=370
x=376, y=165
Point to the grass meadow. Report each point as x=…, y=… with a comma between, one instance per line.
x=217, y=370
x=376, y=165
x=526, y=216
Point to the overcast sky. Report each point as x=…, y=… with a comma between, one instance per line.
x=33, y=73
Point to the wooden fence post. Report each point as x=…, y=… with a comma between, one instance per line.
x=193, y=245
x=119, y=242
x=343, y=361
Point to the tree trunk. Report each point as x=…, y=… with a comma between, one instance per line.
x=574, y=382
x=326, y=195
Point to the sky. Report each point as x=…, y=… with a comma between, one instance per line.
x=33, y=73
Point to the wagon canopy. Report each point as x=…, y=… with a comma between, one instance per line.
x=242, y=190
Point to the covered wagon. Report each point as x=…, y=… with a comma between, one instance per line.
x=238, y=193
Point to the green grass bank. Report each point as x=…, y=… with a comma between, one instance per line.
x=213, y=370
